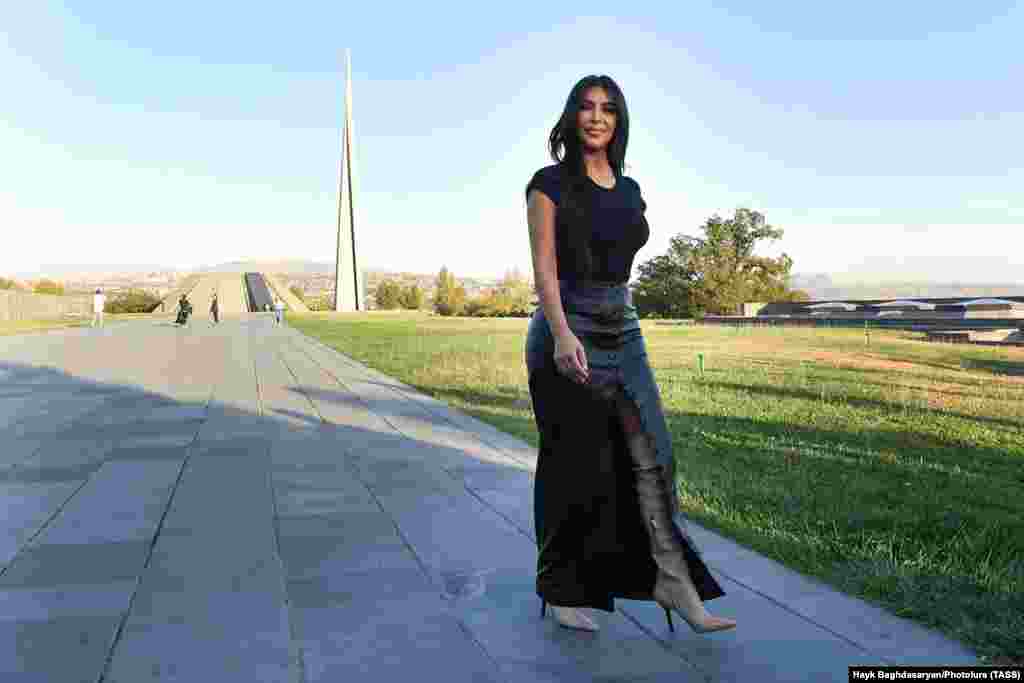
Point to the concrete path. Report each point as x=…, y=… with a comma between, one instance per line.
x=241, y=504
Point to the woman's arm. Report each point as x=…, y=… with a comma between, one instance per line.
x=540, y=214
x=569, y=355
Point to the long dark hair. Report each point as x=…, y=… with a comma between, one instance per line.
x=567, y=151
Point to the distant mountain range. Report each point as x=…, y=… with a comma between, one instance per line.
x=290, y=266
x=817, y=285
x=63, y=270
x=823, y=286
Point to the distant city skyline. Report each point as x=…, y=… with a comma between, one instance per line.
x=886, y=150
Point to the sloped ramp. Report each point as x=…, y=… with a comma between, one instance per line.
x=292, y=302
x=201, y=287
x=169, y=304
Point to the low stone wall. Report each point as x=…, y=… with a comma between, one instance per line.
x=27, y=306
x=1006, y=337
x=858, y=320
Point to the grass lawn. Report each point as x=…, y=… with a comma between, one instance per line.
x=894, y=471
x=26, y=326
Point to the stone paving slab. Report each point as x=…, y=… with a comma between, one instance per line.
x=868, y=627
x=401, y=640
x=122, y=501
x=241, y=503
x=25, y=508
x=29, y=648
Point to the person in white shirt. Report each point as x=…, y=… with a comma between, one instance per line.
x=99, y=300
x=278, y=310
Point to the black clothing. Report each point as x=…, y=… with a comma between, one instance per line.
x=184, y=311
x=592, y=542
x=617, y=225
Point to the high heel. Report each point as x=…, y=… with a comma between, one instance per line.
x=578, y=620
x=674, y=587
x=720, y=625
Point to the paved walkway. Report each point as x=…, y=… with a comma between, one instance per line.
x=241, y=504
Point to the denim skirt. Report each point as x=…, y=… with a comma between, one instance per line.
x=591, y=536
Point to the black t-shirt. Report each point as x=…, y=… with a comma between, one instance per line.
x=618, y=228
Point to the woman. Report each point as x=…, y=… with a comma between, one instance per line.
x=604, y=493
x=184, y=310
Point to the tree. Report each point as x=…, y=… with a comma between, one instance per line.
x=514, y=294
x=411, y=297
x=665, y=285
x=320, y=303
x=476, y=307
x=715, y=273
x=297, y=291
x=132, y=301
x=449, y=295
x=8, y=284
x=512, y=297
x=388, y=294
x=48, y=287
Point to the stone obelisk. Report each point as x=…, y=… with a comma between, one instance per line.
x=348, y=274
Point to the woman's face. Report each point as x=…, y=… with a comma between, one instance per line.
x=595, y=120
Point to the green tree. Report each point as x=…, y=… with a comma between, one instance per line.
x=412, y=297
x=449, y=295
x=8, y=284
x=717, y=272
x=665, y=286
x=514, y=294
x=132, y=301
x=320, y=303
x=512, y=297
x=475, y=307
x=299, y=294
x=48, y=287
x=388, y=295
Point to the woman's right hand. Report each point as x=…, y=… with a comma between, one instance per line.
x=571, y=358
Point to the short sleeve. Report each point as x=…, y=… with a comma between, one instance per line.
x=547, y=181
x=640, y=195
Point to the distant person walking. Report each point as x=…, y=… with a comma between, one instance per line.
x=215, y=310
x=605, y=499
x=278, y=310
x=184, y=310
x=99, y=302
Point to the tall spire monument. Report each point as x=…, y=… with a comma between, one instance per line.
x=348, y=273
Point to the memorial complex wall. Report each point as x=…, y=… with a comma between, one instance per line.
x=16, y=305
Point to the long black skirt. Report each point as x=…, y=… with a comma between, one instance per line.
x=591, y=536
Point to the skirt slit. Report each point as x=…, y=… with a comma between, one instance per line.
x=592, y=541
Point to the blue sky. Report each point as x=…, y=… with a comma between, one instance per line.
x=884, y=138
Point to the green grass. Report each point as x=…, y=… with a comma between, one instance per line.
x=893, y=471
x=26, y=326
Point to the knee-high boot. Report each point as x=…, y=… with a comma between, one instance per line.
x=672, y=552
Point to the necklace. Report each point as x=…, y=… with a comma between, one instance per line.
x=606, y=184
